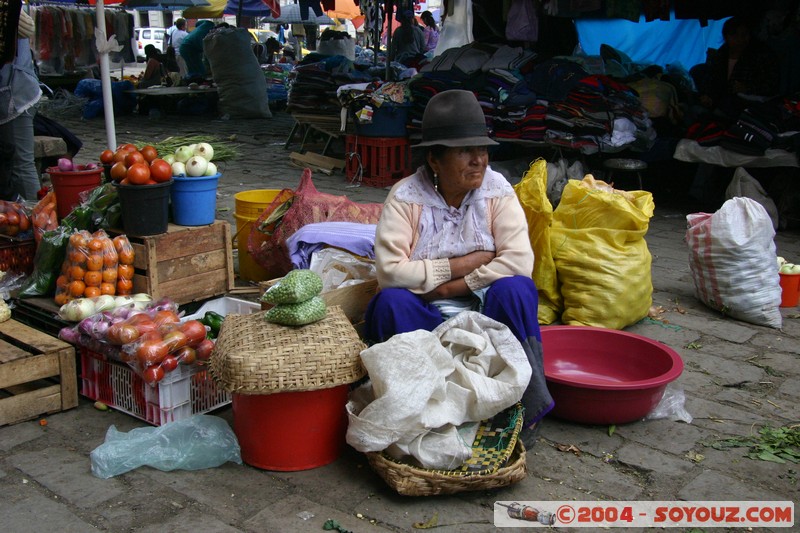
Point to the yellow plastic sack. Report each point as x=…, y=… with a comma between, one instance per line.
x=600, y=253
x=532, y=194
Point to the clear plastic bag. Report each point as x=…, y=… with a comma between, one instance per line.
x=194, y=443
x=671, y=406
x=338, y=268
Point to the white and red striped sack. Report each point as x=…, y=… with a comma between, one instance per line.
x=733, y=261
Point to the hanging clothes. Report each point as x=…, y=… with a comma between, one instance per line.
x=64, y=39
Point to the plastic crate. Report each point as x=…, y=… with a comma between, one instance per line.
x=225, y=306
x=186, y=391
x=380, y=161
x=17, y=255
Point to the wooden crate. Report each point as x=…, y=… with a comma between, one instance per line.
x=185, y=264
x=37, y=373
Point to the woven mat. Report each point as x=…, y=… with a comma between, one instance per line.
x=253, y=356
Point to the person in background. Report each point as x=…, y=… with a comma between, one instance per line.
x=272, y=48
x=297, y=39
x=742, y=66
x=191, y=50
x=19, y=94
x=168, y=36
x=453, y=237
x=288, y=55
x=154, y=71
x=408, y=40
x=178, y=35
x=431, y=31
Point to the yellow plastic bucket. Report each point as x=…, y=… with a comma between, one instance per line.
x=249, y=206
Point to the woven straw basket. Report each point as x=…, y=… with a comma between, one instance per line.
x=414, y=481
x=253, y=356
x=489, y=468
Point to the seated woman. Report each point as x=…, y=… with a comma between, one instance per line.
x=453, y=237
x=154, y=71
x=431, y=31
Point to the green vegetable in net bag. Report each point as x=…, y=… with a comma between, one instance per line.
x=298, y=314
x=297, y=286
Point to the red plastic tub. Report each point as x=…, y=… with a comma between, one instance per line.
x=605, y=376
x=790, y=290
x=69, y=185
x=290, y=431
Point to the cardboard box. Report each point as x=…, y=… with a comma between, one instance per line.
x=185, y=264
x=37, y=373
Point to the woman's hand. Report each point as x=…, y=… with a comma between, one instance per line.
x=449, y=289
x=461, y=266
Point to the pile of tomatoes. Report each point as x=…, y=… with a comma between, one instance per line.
x=154, y=343
x=95, y=264
x=133, y=166
x=13, y=219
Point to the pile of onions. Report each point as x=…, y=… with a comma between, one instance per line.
x=81, y=308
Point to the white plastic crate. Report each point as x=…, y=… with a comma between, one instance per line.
x=225, y=306
x=186, y=391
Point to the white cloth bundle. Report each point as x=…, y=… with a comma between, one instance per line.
x=424, y=385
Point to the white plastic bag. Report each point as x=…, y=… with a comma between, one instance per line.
x=338, y=268
x=671, y=406
x=194, y=443
x=746, y=186
x=556, y=180
x=733, y=262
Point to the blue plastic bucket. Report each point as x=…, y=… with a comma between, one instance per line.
x=194, y=200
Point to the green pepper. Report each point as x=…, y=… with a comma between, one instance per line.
x=214, y=321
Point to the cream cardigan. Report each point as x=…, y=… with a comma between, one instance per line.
x=396, y=238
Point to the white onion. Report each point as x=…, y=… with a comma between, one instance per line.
x=122, y=301
x=105, y=302
x=196, y=166
x=77, y=310
x=142, y=297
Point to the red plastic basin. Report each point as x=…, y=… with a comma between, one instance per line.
x=605, y=376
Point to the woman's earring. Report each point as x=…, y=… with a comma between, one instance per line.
x=436, y=181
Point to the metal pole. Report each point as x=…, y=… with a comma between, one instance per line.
x=105, y=81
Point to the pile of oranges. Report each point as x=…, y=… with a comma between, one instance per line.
x=95, y=264
x=133, y=166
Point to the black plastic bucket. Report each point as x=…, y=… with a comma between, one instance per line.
x=145, y=208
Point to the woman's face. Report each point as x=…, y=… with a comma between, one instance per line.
x=460, y=169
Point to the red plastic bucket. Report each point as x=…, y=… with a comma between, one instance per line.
x=790, y=290
x=69, y=185
x=289, y=431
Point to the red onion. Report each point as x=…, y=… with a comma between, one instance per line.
x=65, y=165
x=70, y=335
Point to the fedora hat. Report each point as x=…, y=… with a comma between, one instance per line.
x=454, y=118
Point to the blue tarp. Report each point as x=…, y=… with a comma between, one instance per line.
x=657, y=42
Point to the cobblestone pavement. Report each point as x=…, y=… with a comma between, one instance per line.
x=737, y=377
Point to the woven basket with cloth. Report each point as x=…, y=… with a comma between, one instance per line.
x=253, y=356
x=498, y=460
